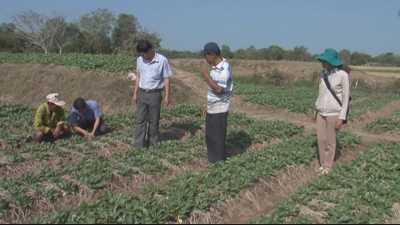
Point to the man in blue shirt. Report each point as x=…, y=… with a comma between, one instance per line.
x=86, y=118
x=153, y=76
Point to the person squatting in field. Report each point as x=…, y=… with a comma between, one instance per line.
x=331, y=106
x=86, y=118
x=49, y=122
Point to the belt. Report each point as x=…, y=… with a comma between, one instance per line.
x=151, y=90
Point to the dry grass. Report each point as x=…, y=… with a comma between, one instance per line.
x=29, y=84
x=395, y=217
x=377, y=68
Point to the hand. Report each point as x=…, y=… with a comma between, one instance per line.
x=89, y=136
x=167, y=102
x=135, y=99
x=204, y=112
x=57, y=133
x=339, y=124
x=92, y=135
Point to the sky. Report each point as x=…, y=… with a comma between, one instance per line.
x=370, y=26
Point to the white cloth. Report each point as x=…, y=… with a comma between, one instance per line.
x=326, y=104
x=222, y=74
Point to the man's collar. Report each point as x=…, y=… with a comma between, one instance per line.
x=156, y=59
x=220, y=65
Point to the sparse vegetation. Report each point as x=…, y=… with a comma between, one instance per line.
x=108, y=181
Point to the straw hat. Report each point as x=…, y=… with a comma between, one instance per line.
x=53, y=98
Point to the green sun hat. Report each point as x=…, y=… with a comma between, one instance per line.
x=331, y=56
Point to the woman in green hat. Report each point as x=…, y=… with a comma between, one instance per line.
x=331, y=106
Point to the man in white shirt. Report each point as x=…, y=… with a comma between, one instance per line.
x=153, y=76
x=219, y=80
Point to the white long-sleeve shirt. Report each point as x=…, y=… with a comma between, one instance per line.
x=326, y=104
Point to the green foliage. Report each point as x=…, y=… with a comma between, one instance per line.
x=193, y=190
x=358, y=58
x=368, y=101
x=189, y=110
x=388, y=59
x=263, y=131
x=9, y=41
x=382, y=125
x=300, y=96
x=110, y=63
x=360, y=192
x=81, y=164
x=296, y=98
x=12, y=119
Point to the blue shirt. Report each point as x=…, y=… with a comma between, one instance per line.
x=152, y=73
x=90, y=115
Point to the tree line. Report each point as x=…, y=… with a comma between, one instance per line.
x=102, y=32
x=300, y=53
x=97, y=32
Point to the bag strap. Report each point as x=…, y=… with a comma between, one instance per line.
x=328, y=85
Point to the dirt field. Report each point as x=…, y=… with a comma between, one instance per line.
x=175, y=184
x=29, y=84
x=374, y=77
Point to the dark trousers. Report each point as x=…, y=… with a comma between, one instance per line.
x=148, y=119
x=216, y=126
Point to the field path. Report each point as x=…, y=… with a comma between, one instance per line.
x=262, y=197
x=199, y=87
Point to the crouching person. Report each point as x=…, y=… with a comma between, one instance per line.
x=49, y=122
x=86, y=119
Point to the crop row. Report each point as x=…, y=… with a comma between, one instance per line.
x=180, y=121
x=85, y=163
x=300, y=97
x=358, y=192
x=194, y=190
x=110, y=63
x=382, y=125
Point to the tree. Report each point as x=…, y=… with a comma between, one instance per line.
x=276, y=53
x=39, y=30
x=125, y=30
x=226, y=51
x=73, y=39
x=100, y=21
x=388, y=59
x=345, y=55
x=96, y=28
x=358, y=58
x=59, y=27
x=300, y=53
x=9, y=40
x=154, y=38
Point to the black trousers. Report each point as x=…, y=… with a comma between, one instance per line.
x=148, y=119
x=216, y=126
